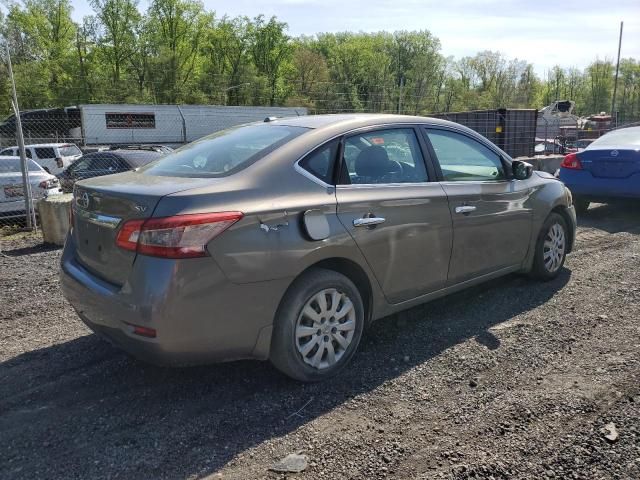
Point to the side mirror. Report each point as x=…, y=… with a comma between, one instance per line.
x=521, y=170
x=59, y=162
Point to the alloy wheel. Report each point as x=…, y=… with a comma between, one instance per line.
x=554, y=248
x=325, y=328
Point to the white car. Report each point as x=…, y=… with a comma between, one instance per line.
x=53, y=157
x=43, y=184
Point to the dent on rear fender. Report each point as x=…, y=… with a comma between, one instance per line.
x=250, y=253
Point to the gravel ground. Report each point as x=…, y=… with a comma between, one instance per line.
x=514, y=379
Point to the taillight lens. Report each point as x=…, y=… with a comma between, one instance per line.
x=571, y=162
x=48, y=184
x=181, y=236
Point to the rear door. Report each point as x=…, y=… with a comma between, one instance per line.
x=399, y=219
x=491, y=220
x=46, y=157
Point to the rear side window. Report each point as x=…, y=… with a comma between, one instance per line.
x=45, y=152
x=7, y=152
x=320, y=163
x=224, y=153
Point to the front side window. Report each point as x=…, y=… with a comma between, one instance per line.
x=383, y=156
x=224, y=153
x=463, y=159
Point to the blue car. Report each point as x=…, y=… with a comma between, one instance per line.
x=608, y=169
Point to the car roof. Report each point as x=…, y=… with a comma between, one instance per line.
x=50, y=145
x=29, y=160
x=352, y=120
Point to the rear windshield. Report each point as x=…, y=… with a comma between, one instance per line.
x=12, y=165
x=139, y=158
x=69, y=151
x=224, y=153
x=625, y=137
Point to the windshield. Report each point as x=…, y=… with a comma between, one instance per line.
x=224, y=153
x=625, y=137
x=12, y=165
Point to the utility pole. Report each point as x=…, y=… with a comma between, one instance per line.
x=26, y=186
x=615, y=82
x=400, y=95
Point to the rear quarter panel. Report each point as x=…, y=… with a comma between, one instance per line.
x=271, y=241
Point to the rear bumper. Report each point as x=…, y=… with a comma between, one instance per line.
x=584, y=185
x=197, y=318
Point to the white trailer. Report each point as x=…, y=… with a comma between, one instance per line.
x=167, y=124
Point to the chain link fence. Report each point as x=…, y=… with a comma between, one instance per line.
x=65, y=145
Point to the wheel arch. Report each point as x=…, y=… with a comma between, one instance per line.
x=353, y=272
x=350, y=269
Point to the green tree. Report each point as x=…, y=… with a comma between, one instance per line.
x=270, y=50
x=178, y=29
x=119, y=20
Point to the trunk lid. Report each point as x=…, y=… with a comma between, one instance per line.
x=101, y=205
x=610, y=162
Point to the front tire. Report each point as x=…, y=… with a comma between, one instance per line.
x=318, y=326
x=551, y=248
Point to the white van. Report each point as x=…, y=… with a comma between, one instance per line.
x=53, y=157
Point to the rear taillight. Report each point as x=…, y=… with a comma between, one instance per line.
x=142, y=331
x=571, y=162
x=181, y=236
x=48, y=184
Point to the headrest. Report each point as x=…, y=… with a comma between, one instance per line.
x=373, y=162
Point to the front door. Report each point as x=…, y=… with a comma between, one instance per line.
x=492, y=219
x=397, y=217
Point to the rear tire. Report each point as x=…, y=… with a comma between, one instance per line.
x=551, y=248
x=581, y=205
x=318, y=326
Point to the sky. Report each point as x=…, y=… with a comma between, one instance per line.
x=569, y=33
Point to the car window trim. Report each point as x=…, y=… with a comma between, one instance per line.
x=332, y=166
x=506, y=165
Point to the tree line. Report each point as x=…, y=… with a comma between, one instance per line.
x=179, y=52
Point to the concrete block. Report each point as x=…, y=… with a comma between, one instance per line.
x=544, y=163
x=54, y=217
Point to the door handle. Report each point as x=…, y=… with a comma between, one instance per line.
x=465, y=209
x=368, y=221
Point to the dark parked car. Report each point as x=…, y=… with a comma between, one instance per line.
x=148, y=147
x=608, y=169
x=283, y=240
x=106, y=163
